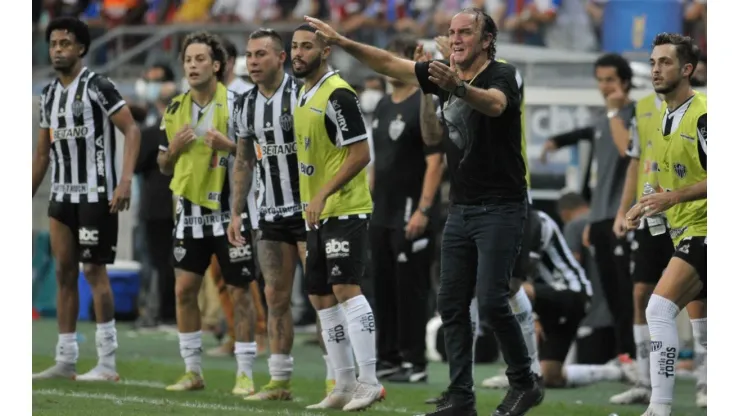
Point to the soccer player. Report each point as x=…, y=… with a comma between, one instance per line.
x=264, y=125
x=197, y=151
x=560, y=292
x=80, y=111
x=332, y=155
x=681, y=156
x=407, y=174
x=488, y=195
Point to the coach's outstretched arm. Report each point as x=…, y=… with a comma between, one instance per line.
x=377, y=59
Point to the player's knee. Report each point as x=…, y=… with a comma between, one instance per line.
x=660, y=310
x=186, y=291
x=277, y=300
x=96, y=275
x=344, y=293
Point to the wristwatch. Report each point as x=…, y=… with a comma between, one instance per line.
x=460, y=90
x=425, y=211
x=612, y=113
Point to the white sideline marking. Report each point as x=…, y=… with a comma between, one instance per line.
x=165, y=402
x=143, y=383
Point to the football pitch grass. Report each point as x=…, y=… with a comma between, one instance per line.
x=149, y=361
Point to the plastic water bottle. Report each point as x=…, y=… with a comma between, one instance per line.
x=656, y=223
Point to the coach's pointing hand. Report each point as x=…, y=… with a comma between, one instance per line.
x=323, y=30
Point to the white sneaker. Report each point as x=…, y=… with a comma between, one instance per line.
x=635, y=395
x=496, y=382
x=364, y=396
x=629, y=372
x=337, y=399
x=701, y=397
x=99, y=373
x=58, y=370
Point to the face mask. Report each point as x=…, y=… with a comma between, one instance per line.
x=369, y=100
x=152, y=91
x=140, y=87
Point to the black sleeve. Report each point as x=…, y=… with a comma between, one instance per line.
x=701, y=132
x=572, y=137
x=162, y=141
x=103, y=92
x=344, y=120
x=503, y=78
x=422, y=75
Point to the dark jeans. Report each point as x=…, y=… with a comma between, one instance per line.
x=479, y=247
x=612, y=257
x=159, y=247
x=401, y=281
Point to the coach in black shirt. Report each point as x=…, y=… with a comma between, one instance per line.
x=405, y=196
x=485, y=223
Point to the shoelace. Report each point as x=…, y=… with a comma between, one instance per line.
x=512, y=399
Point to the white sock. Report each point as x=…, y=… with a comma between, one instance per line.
x=583, y=374
x=661, y=316
x=107, y=344
x=280, y=366
x=642, y=342
x=335, y=330
x=521, y=307
x=245, y=352
x=475, y=320
x=191, y=348
x=362, y=336
x=699, y=327
x=67, y=349
x=329, y=369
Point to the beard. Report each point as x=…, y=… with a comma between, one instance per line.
x=669, y=88
x=63, y=65
x=308, y=68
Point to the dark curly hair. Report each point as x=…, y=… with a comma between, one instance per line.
x=686, y=50
x=74, y=26
x=217, y=51
x=403, y=44
x=487, y=27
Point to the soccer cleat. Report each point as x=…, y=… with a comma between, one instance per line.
x=189, y=381
x=364, y=396
x=329, y=386
x=635, y=395
x=500, y=381
x=58, y=370
x=442, y=398
x=658, y=410
x=701, y=397
x=274, y=390
x=244, y=385
x=337, y=399
x=384, y=369
x=410, y=374
x=99, y=373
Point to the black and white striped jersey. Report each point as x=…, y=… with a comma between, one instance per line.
x=82, y=137
x=268, y=123
x=194, y=221
x=556, y=265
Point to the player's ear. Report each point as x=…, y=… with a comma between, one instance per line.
x=216, y=66
x=325, y=52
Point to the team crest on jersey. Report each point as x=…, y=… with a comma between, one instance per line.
x=286, y=122
x=77, y=108
x=680, y=170
x=395, y=129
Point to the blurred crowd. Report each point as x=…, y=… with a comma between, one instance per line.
x=564, y=24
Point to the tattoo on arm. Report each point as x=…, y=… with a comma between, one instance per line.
x=431, y=127
x=245, y=159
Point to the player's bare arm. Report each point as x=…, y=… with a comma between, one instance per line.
x=245, y=160
x=432, y=130
x=41, y=158
x=377, y=59
x=166, y=159
x=491, y=102
x=620, y=133
x=124, y=121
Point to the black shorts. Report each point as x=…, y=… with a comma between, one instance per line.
x=336, y=254
x=290, y=230
x=560, y=313
x=530, y=239
x=650, y=256
x=237, y=263
x=94, y=227
x=693, y=250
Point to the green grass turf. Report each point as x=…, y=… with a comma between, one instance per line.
x=148, y=361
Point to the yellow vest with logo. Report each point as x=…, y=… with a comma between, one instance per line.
x=319, y=159
x=649, y=122
x=679, y=166
x=524, y=135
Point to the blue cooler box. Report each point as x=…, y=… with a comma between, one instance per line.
x=630, y=26
x=125, y=282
